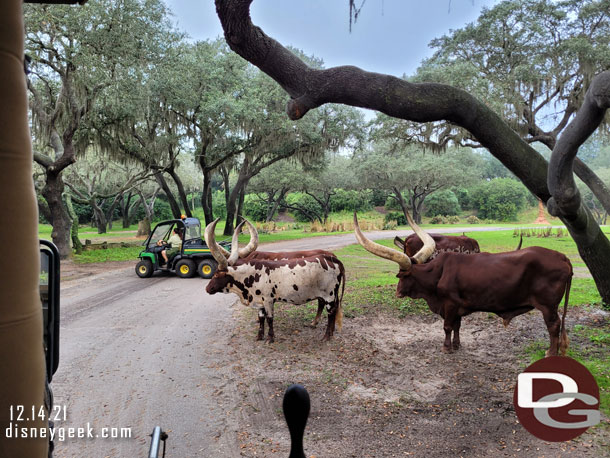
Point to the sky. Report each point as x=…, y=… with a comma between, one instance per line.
x=390, y=36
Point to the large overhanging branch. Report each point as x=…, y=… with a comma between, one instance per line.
x=566, y=200
x=423, y=102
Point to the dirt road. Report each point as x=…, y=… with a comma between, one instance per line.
x=136, y=353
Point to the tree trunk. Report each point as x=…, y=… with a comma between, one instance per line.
x=143, y=228
x=232, y=205
x=100, y=217
x=326, y=208
x=181, y=192
x=240, y=205
x=43, y=209
x=206, y=197
x=593, y=245
x=125, y=206
x=110, y=213
x=173, y=205
x=77, y=246
x=52, y=192
x=593, y=182
x=274, y=204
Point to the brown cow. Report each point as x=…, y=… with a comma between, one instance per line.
x=507, y=284
x=458, y=243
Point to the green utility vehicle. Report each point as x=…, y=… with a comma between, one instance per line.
x=192, y=256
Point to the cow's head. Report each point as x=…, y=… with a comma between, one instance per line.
x=219, y=283
x=405, y=263
x=222, y=278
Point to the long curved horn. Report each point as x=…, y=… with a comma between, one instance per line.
x=214, y=247
x=379, y=250
x=235, y=245
x=429, y=245
x=252, y=244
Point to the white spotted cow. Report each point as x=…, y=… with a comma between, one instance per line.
x=262, y=282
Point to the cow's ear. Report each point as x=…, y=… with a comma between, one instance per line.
x=400, y=243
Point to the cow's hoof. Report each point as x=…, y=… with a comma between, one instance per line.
x=269, y=340
x=446, y=349
x=259, y=337
x=456, y=345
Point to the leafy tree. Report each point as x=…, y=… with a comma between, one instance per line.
x=101, y=184
x=76, y=54
x=351, y=200
x=136, y=124
x=411, y=176
x=323, y=184
x=213, y=102
x=305, y=207
x=532, y=62
x=328, y=129
x=272, y=184
x=310, y=88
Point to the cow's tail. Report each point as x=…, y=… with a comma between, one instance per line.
x=564, y=341
x=339, y=319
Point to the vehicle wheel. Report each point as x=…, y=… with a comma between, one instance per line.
x=185, y=268
x=144, y=268
x=206, y=268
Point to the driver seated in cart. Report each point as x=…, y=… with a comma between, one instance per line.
x=174, y=243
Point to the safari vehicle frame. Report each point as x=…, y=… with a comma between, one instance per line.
x=194, y=255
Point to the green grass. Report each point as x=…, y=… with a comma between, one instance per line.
x=589, y=345
x=111, y=254
x=369, y=271
x=86, y=232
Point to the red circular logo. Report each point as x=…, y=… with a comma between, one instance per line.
x=556, y=399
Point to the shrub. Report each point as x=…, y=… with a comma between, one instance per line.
x=472, y=219
x=254, y=208
x=453, y=219
x=438, y=219
x=390, y=225
x=351, y=201
x=397, y=217
x=442, y=202
x=499, y=199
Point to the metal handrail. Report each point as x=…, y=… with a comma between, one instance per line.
x=157, y=436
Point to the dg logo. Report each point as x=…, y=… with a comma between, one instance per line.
x=556, y=399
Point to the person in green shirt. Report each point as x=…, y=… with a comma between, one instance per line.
x=174, y=244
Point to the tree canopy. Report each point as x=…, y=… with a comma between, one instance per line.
x=310, y=88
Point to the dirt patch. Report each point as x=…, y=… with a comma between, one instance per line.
x=381, y=210
x=383, y=388
x=71, y=270
x=284, y=217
